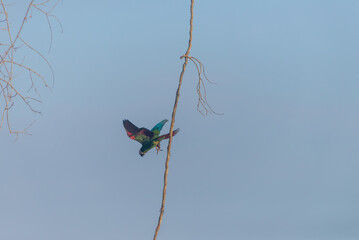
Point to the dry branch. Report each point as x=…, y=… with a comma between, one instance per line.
x=202, y=106
x=11, y=63
x=172, y=124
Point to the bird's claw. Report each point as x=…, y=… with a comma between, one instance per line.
x=158, y=148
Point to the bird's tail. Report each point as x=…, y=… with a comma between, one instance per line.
x=165, y=136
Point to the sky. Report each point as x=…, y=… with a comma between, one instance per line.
x=281, y=163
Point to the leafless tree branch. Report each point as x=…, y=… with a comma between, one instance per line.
x=11, y=63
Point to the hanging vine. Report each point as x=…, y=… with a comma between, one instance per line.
x=202, y=106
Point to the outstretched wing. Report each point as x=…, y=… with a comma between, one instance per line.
x=165, y=136
x=157, y=129
x=138, y=134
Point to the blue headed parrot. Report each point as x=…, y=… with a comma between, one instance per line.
x=148, y=139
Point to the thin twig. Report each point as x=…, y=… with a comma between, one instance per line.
x=42, y=56
x=201, y=88
x=22, y=25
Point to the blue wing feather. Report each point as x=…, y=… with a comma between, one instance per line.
x=157, y=129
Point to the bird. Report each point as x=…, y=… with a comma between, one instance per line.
x=148, y=139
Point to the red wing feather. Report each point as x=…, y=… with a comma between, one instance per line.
x=135, y=133
x=131, y=129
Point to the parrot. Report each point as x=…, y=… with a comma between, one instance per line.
x=148, y=139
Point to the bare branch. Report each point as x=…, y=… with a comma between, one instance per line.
x=13, y=61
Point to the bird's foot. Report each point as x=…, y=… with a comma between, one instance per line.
x=158, y=148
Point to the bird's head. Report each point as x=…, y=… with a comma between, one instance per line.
x=144, y=149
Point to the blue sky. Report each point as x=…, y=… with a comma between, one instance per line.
x=281, y=163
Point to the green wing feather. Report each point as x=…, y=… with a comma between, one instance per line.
x=142, y=136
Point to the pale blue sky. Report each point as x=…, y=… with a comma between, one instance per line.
x=280, y=164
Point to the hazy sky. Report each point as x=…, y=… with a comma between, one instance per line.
x=280, y=164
